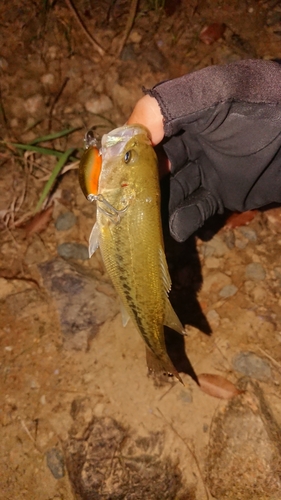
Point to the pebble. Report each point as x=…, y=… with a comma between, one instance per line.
x=212, y=263
x=228, y=291
x=135, y=37
x=213, y=318
x=43, y=400
x=215, y=281
x=55, y=462
x=241, y=243
x=34, y=104
x=216, y=247
x=252, y=365
x=128, y=53
x=99, y=104
x=73, y=251
x=249, y=233
x=47, y=79
x=65, y=221
x=229, y=239
x=255, y=271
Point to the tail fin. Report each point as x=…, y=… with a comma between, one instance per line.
x=156, y=365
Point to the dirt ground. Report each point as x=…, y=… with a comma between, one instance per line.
x=80, y=417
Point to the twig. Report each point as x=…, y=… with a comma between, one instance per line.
x=274, y=362
x=30, y=436
x=2, y=111
x=190, y=451
x=55, y=102
x=129, y=24
x=97, y=46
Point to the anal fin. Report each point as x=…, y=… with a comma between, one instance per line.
x=171, y=319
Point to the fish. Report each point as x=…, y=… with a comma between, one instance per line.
x=122, y=178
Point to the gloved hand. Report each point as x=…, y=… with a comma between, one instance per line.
x=222, y=128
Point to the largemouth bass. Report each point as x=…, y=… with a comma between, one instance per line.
x=128, y=231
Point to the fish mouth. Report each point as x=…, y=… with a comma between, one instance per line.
x=113, y=143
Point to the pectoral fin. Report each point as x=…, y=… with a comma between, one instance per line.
x=171, y=320
x=94, y=239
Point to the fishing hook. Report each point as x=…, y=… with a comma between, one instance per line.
x=115, y=214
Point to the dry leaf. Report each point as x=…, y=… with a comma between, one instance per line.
x=238, y=219
x=217, y=386
x=212, y=33
x=38, y=222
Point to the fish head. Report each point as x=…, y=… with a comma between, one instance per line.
x=128, y=162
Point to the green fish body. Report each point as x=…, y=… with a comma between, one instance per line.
x=128, y=231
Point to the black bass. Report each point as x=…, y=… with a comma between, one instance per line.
x=128, y=231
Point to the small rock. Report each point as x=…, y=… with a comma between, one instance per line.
x=135, y=37
x=249, y=233
x=213, y=318
x=99, y=104
x=215, y=281
x=47, y=79
x=273, y=217
x=128, y=53
x=216, y=247
x=65, y=221
x=255, y=271
x=212, y=263
x=259, y=294
x=34, y=104
x=73, y=251
x=34, y=384
x=55, y=462
x=228, y=291
x=229, y=239
x=241, y=243
x=251, y=365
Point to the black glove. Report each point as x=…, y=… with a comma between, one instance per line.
x=223, y=125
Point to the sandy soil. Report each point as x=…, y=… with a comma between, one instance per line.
x=80, y=418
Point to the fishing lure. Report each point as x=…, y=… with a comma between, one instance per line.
x=90, y=166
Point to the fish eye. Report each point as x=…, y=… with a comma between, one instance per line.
x=127, y=156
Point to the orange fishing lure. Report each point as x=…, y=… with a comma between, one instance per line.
x=89, y=170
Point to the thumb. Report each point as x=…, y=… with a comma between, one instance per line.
x=192, y=213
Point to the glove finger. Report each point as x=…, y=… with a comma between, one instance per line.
x=183, y=183
x=192, y=213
